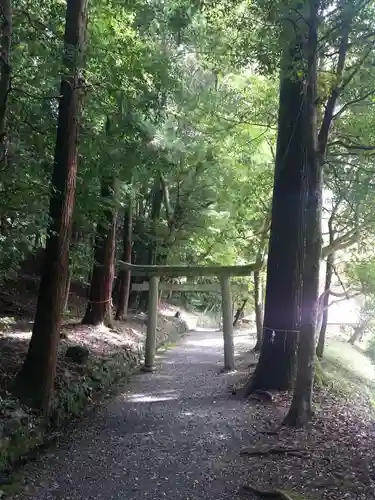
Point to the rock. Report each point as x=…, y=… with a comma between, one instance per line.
x=78, y=354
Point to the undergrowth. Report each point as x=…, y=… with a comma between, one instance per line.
x=100, y=379
x=346, y=370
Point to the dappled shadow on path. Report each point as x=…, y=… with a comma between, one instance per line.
x=165, y=436
x=177, y=434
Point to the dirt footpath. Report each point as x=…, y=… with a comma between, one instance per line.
x=178, y=434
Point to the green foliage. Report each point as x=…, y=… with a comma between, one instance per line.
x=345, y=370
x=185, y=93
x=100, y=377
x=151, y=107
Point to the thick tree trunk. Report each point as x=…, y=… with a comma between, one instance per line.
x=324, y=312
x=99, y=307
x=358, y=333
x=258, y=311
x=124, y=277
x=301, y=411
x=277, y=361
x=35, y=380
x=5, y=71
x=239, y=312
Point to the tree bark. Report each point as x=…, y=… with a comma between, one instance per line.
x=124, y=277
x=239, y=312
x=35, y=380
x=301, y=411
x=258, y=310
x=99, y=307
x=324, y=312
x=277, y=361
x=157, y=199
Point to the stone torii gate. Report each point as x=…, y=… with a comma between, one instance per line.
x=154, y=273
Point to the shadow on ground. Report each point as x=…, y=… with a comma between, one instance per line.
x=168, y=435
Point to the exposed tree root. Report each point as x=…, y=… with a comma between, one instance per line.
x=270, y=432
x=261, y=396
x=294, y=452
x=276, y=494
x=234, y=390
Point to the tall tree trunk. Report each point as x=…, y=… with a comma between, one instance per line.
x=5, y=72
x=99, y=307
x=277, y=361
x=301, y=411
x=124, y=276
x=34, y=382
x=324, y=312
x=258, y=310
x=239, y=312
x=157, y=199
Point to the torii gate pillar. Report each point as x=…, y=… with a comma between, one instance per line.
x=226, y=301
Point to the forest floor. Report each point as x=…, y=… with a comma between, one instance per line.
x=109, y=356
x=181, y=434
x=17, y=309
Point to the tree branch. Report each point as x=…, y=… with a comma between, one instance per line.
x=351, y=103
x=331, y=102
x=356, y=294
x=340, y=243
x=358, y=147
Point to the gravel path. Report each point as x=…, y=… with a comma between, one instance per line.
x=174, y=434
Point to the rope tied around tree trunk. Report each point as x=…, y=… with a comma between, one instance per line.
x=280, y=330
x=100, y=302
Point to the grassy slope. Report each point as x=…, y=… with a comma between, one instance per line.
x=347, y=369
